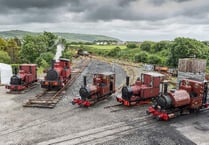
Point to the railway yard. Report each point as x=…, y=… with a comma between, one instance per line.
x=104, y=123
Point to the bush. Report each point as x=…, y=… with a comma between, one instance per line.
x=114, y=52
x=42, y=62
x=146, y=46
x=141, y=57
x=131, y=45
x=67, y=54
x=4, y=57
x=153, y=59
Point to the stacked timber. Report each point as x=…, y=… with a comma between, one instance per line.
x=191, y=68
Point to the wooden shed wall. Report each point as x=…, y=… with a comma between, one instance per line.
x=192, y=65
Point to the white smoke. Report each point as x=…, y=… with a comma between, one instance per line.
x=60, y=48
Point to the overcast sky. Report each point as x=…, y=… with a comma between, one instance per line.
x=125, y=19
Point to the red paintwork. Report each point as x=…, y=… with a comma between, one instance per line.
x=146, y=89
x=156, y=113
x=127, y=103
x=28, y=74
x=81, y=102
x=99, y=90
x=63, y=68
x=189, y=95
x=16, y=87
x=180, y=98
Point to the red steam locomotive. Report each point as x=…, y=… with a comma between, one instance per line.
x=142, y=91
x=190, y=97
x=26, y=76
x=103, y=86
x=58, y=75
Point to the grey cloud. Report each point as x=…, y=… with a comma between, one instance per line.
x=25, y=4
x=51, y=11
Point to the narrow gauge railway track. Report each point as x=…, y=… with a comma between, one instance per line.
x=102, y=134
x=37, y=122
x=49, y=99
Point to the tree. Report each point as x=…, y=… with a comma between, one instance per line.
x=47, y=56
x=50, y=39
x=153, y=59
x=160, y=46
x=146, y=46
x=4, y=57
x=186, y=47
x=13, y=50
x=3, y=44
x=141, y=57
x=32, y=47
x=18, y=42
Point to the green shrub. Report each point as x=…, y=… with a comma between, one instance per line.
x=132, y=45
x=141, y=57
x=153, y=59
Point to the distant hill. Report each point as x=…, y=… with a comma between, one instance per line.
x=68, y=36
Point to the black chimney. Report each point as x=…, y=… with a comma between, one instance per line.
x=15, y=71
x=127, y=80
x=53, y=61
x=84, y=81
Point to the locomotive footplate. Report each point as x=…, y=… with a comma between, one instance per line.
x=133, y=102
x=81, y=102
x=20, y=89
x=87, y=103
x=158, y=114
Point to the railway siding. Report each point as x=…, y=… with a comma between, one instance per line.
x=48, y=99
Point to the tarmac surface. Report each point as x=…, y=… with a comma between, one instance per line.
x=68, y=124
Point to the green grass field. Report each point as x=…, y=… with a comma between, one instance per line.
x=107, y=46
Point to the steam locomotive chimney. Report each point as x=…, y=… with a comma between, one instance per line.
x=127, y=80
x=165, y=87
x=84, y=81
x=53, y=61
x=15, y=71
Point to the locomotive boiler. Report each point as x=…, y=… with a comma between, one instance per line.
x=190, y=97
x=103, y=86
x=58, y=75
x=25, y=77
x=142, y=91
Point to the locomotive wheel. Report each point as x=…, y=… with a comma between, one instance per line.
x=158, y=118
x=147, y=112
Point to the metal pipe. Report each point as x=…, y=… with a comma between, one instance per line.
x=84, y=81
x=165, y=90
x=53, y=61
x=127, y=80
x=15, y=71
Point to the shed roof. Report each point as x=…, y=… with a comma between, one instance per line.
x=154, y=74
x=106, y=73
